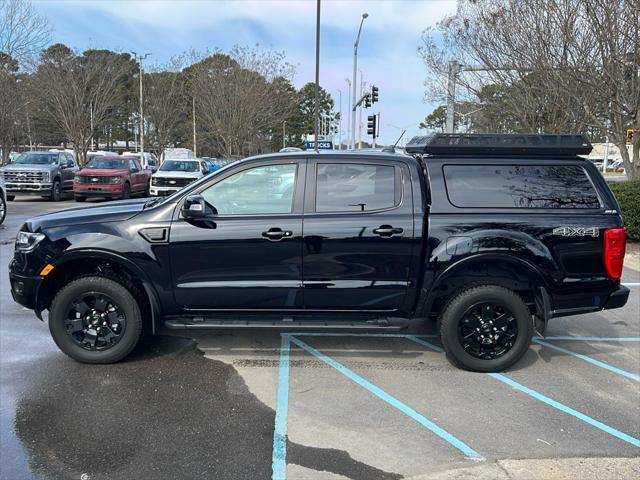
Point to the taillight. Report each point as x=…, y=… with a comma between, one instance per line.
x=615, y=242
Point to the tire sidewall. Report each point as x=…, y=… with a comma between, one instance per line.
x=125, y=301
x=500, y=296
x=56, y=192
x=3, y=203
x=126, y=192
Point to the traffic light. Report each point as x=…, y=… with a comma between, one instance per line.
x=367, y=100
x=371, y=125
x=630, y=136
x=374, y=94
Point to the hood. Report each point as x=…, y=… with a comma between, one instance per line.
x=172, y=174
x=26, y=167
x=117, y=211
x=98, y=172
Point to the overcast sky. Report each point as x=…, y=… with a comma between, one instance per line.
x=387, y=55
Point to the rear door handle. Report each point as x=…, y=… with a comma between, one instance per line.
x=387, y=231
x=276, y=233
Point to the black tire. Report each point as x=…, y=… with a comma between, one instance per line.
x=126, y=191
x=80, y=198
x=147, y=190
x=121, y=293
x=56, y=191
x=506, y=300
x=3, y=208
x=10, y=198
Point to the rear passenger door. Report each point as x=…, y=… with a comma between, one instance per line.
x=358, y=234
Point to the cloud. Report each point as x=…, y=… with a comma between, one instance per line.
x=387, y=53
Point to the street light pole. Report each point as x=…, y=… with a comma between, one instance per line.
x=141, y=59
x=349, y=115
x=193, y=114
x=362, y=87
x=317, y=89
x=340, y=122
x=355, y=80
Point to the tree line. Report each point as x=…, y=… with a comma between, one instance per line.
x=541, y=66
x=242, y=102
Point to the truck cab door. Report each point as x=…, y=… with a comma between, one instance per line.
x=245, y=254
x=358, y=235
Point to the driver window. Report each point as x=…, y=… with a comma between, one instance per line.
x=260, y=190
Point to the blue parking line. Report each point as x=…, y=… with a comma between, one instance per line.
x=279, y=452
x=549, y=401
x=595, y=339
x=592, y=361
x=378, y=392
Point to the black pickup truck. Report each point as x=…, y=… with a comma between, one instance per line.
x=490, y=235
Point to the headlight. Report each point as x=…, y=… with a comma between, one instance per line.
x=45, y=176
x=116, y=179
x=27, y=241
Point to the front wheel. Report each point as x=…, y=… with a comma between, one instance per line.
x=95, y=320
x=126, y=191
x=486, y=328
x=56, y=191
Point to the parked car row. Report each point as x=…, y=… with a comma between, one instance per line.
x=106, y=174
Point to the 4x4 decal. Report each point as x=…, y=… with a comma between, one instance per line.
x=577, y=231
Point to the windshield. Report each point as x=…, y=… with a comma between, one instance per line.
x=179, y=166
x=106, y=163
x=37, y=159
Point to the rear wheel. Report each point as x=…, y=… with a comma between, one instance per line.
x=486, y=328
x=95, y=320
x=147, y=190
x=56, y=191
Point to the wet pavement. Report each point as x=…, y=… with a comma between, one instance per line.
x=205, y=407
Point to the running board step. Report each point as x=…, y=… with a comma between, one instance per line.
x=285, y=324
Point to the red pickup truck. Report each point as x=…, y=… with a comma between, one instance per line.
x=111, y=177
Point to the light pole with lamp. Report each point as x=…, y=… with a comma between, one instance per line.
x=355, y=81
x=349, y=114
x=140, y=59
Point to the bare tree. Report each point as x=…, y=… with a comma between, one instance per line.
x=23, y=32
x=166, y=104
x=241, y=97
x=75, y=87
x=569, y=65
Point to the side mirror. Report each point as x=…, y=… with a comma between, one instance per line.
x=194, y=207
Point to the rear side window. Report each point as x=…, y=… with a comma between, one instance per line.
x=354, y=187
x=520, y=186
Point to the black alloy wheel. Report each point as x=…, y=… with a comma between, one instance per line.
x=487, y=330
x=95, y=321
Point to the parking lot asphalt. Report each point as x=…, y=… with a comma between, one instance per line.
x=258, y=405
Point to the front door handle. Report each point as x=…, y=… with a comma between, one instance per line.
x=276, y=234
x=387, y=231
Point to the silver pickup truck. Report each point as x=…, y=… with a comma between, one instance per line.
x=47, y=174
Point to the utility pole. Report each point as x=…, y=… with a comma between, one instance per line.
x=141, y=59
x=349, y=115
x=91, y=123
x=284, y=134
x=193, y=114
x=317, y=89
x=355, y=80
x=454, y=68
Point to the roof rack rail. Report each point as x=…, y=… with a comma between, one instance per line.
x=499, y=144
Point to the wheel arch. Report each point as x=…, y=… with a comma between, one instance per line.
x=108, y=264
x=499, y=269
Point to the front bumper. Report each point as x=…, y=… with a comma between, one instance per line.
x=87, y=190
x=24, y=289
x=163, y=191
x=28, y=188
